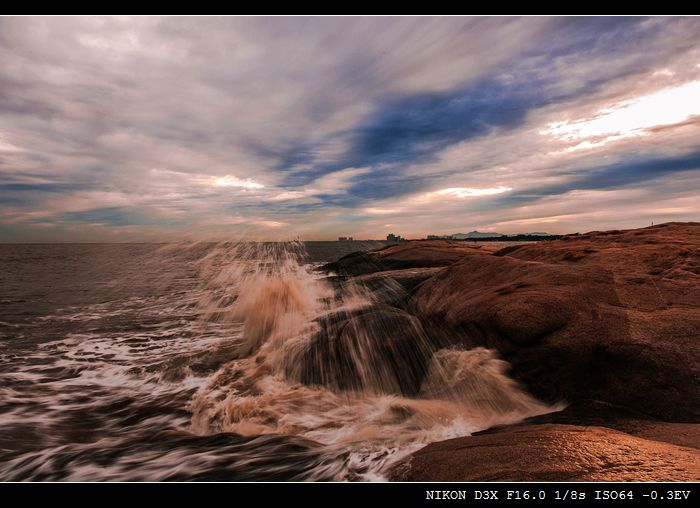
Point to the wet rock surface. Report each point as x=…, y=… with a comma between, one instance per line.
x=551, y=452
x=379, y=348
x=607, y=322
x=586, y=318
x=419, y=254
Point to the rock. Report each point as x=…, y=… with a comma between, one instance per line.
x=357, y=263
x=378, y=348
x=608, y=322
x=407, y=278
x=392, y=287
x=546, y=320
x=550, y=453
x=597, y=413
x=609, y=316
x=429, y=253
x=413, y=254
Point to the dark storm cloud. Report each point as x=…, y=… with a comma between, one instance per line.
x=117, y=216
x=613, y=176
x=412, y=128
x=40, y=187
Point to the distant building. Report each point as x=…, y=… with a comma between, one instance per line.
x=391, y=237
x=345, y=238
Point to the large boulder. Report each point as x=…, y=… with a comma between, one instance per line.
x=413, y=254
x=550, y=453
x=604, y=316
x=377, y=348
x=599, y=414
x=392, y=287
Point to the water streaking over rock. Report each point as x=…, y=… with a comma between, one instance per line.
x=337, y=367
x=231, y=361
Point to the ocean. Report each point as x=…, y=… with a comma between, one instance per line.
x=179, y=362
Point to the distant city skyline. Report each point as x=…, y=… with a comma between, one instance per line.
x=161, y=129
x=472, y=235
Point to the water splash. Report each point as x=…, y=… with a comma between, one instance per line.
x=336, y=366
x=233, y=361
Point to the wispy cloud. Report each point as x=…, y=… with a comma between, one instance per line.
x=640, y=116
x=154, y=128
x=470, y=192
x=232, y=181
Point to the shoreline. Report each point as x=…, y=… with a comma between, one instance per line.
x=606, y=321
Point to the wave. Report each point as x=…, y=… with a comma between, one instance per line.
x=238, y=361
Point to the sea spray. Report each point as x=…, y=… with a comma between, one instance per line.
x=335, y=365
x=202, y=361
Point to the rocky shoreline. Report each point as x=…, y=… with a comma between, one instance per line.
x=607, y=322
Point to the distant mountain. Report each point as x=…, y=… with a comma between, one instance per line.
x=536, y=233
x=489, y=234
x=475, y=234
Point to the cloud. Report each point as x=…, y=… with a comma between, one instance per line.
x=470, y=192
x=634, y=171
x=153, y=128
x=636, y=117
x=232, y=181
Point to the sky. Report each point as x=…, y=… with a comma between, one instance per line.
x=160, y=129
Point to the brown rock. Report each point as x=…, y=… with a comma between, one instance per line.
x=609, y=316
x=550, y=453
x=413, y=254
x=378, y=348
x=407, y=278
x=597, y=413
x=392, y=287
x=425, y=253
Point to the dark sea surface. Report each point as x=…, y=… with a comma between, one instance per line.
x=147, y=362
